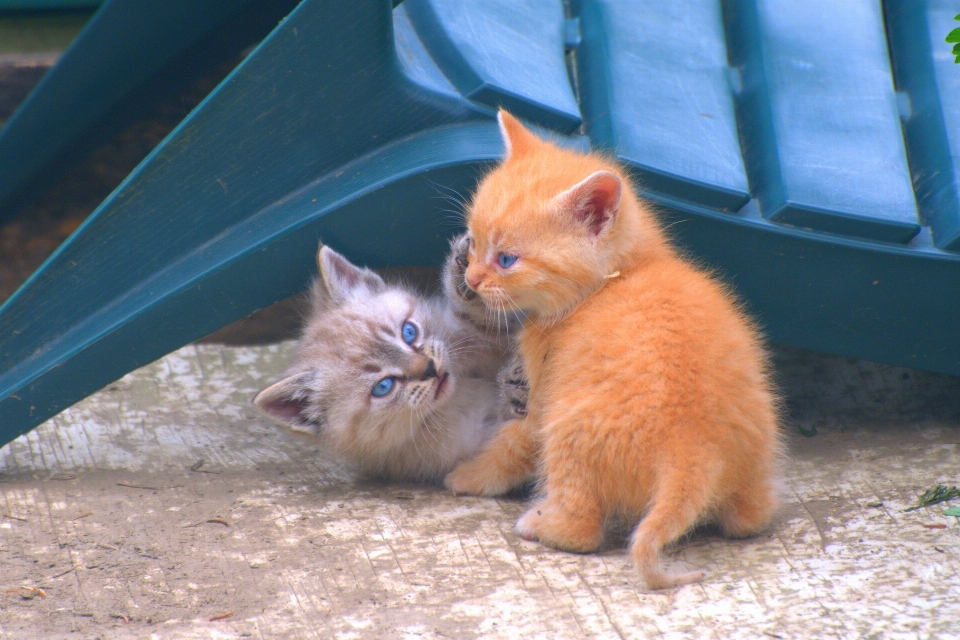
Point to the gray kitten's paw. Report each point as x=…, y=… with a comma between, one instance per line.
x=514, y=389
x=467, y=301
x=454, y=269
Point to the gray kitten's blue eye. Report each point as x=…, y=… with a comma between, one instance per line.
x=382, y=388
x=506, y=260
x=408, y=332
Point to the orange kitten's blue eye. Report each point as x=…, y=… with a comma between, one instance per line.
x=408, y=332
x=382, y=388
x=506, y=260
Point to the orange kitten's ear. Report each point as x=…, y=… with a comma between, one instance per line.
x=516, y=138
x=593, y=202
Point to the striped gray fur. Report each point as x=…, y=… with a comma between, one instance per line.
x=445, y=403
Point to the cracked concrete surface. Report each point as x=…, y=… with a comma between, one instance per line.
x=164, y=506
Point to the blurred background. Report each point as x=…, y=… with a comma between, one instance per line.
x=33, y=34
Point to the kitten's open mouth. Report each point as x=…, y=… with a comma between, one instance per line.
x=441, y=386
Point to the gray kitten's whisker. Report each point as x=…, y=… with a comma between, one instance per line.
x=413, y=436
x=431, y=424
x=465, y=351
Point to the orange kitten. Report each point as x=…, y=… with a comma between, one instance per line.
x=649, y=388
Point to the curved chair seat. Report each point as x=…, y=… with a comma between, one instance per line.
x=819, y=184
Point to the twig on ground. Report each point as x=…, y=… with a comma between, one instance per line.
x=199, y=463
x=140, y=486
x=62, y=573
x=28, y=593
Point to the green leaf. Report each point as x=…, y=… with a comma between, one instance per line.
x=952, y=511
x=954, y=36
x=807, y=431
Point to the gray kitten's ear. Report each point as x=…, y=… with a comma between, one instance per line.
x=288, y=401
x=342, y=278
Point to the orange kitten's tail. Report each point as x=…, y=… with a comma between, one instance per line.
x=671, y=515
x=645, y=556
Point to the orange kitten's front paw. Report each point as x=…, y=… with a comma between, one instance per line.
x=527, y=525
x=471, y=478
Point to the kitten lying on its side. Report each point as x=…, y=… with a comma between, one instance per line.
x=400, y=385
x=649, y=388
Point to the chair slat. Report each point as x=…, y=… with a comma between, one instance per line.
x=654, y=87
x=507, y=53
x=930, y=81
x=820, y=112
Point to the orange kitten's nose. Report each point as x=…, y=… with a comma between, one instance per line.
x=473, y=279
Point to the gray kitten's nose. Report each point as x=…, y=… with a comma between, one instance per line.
x=430, y=371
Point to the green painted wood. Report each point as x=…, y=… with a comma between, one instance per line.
x=265, y=258
x=929, y=83
x=853, y=297
x=344, y=125
x=654, y=88
x=47, y=5
x=507, y=53
x=280, y=121
x=819, y=118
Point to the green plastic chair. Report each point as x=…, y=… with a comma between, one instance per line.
x=779, y=143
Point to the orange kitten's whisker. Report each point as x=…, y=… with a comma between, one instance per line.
x=448, y=190
x=518, y=312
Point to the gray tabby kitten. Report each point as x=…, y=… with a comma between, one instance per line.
x=400, y=385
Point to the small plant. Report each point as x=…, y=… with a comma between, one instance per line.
x=954, y=38
x=940, y=493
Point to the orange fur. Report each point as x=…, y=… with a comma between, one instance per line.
x=649, y=390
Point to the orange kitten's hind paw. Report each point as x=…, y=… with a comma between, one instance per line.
x=527, y=525
x=750, y=511
x=579, y=533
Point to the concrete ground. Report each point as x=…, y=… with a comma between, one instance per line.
x=164, y=506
